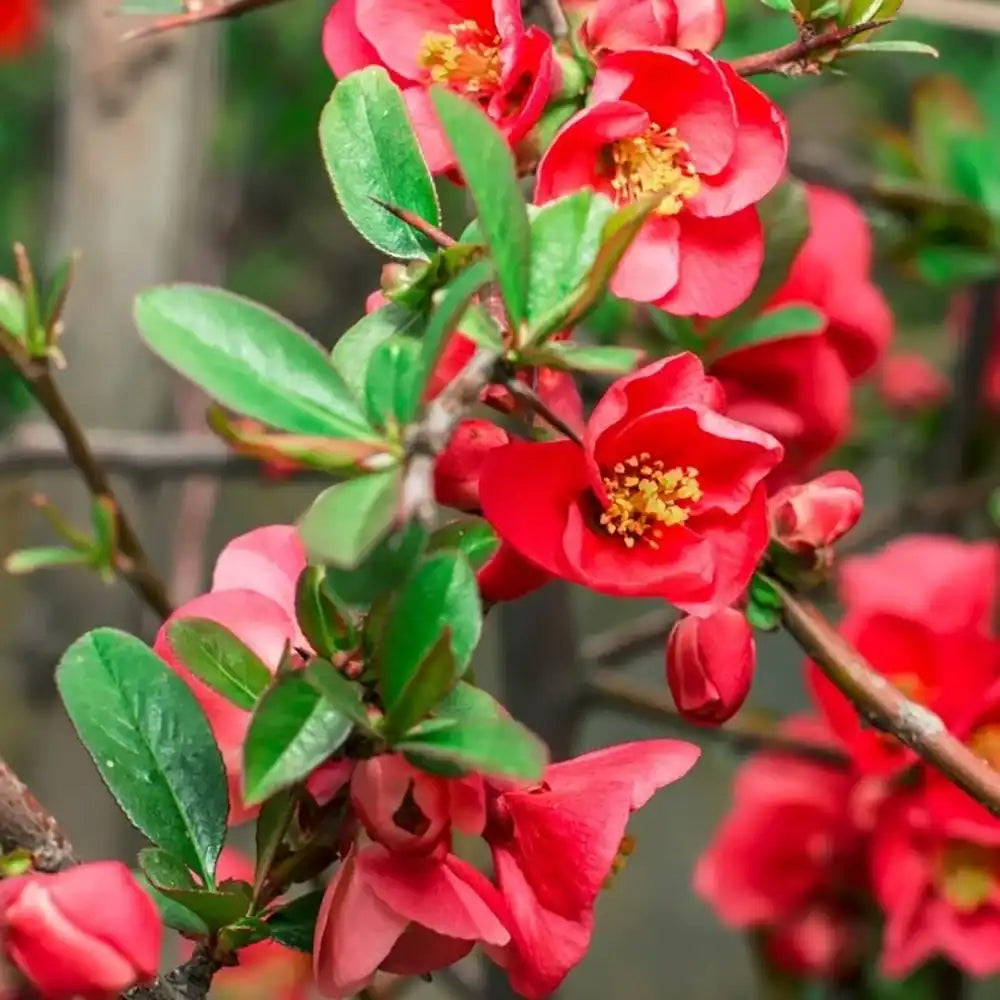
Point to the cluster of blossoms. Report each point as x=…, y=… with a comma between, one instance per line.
x=809, y=846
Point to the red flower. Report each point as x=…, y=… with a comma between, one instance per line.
x=798, y=388
x=665, y=499
x=506, y=576
x=20, y=22
x=946, y=583
x=816, y=514
x=555, y=845
x=89, y=932
x=788, y=859
x=459, y=466
x=477, y=48
x=678, y=122
x=939, y=670
x=909, y=383
x=710, y=664
x=939, y=890
x=615, y=25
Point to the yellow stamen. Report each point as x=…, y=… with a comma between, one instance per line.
x=644, y=498
x=466, y=59
x=625, y=849
x=985, y=743
x=654, y=161
x=967, y=874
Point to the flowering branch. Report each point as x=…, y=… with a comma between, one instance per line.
x=794, y=58
x=190, y=981
x=25, y=825
x=883, y=706
x=132, y=562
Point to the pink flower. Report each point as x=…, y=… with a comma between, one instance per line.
x=710, y=665
x=909, y=383
x=253, y=595
x=680, y=123
x=506, y=576
x=555, y=844
x=404, y=913
x=477, y=48
x=458, y=467
x=89, y=932
x=816, y=514
x=617, y=25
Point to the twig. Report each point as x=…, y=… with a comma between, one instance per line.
x=25, y=825
x=137, y=568
x=795, y=55
x=214, y=10
x=622, y=642
x=609, y=688
x=558, y=23
x=190, y=981
x=432, y=232
x=884, y=706
x=534, y=402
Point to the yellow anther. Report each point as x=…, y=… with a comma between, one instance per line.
x=657, y=160
x=466, y=58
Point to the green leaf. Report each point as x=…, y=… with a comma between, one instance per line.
x=152, y=7
x=272, y=823
x=294, y=925
x=472, y=536
x=565, y=238
x=952, y=267
x=569, y=356
x=785, y=6
x=785, y=321
x=292, y=731
x=373, y=156
x=216, y=908
x=891, y=45
x=151, y=743
x=441, y=594
x=164, y=870
x=353, y=352
x=764, y=605
x=346, y=521
x=243, y=933
x=417, y=287
x=394, y=382
x=339, y=692
x=28, y=560
x=249, y=359
x=383, y=569
x=488, y=167
x=13, y=316
x=326, y=625
x=215, y=655
x=480, y=329
x=433, y=677
x=180, y=918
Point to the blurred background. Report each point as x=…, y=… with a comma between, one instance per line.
x=194, y=155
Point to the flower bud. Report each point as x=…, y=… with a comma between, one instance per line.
x=813, y=516
x=88, y=932
x=909, y=383
x=506, y=576
x=710, y=663
x=458, y=467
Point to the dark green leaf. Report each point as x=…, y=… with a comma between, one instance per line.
x=339, y=692
x=243, y=933
x=29, y=560
x=216, y=909
x=353, y=351
x=292, y=731
x=164, y=871
x=565, y=238
x=952, y=267
x=294, y=925
x=212, y=653
x=249, y=359
x=272, y=824
x=180, y=918
x=472, y=536
x=785, y=321
x=480, y=329
x=373, y=156
x=488, y=167
x=394, y=382
x=326, y=625
x=570, y=356
x=441, y=594
x=382, y=570
x=422, y=281
x=151, y=743
x=764, y=606
x=346, y=521
x=433, y=677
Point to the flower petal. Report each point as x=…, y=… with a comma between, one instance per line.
x=700, y=24
x=649, y=268
x=268, y=560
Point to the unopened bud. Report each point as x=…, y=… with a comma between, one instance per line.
x=813, y=516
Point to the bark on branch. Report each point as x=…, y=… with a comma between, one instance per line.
x=795, y=57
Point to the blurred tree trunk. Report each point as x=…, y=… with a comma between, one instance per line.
x=130, y=194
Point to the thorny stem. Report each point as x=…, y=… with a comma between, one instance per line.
x=794, y=57
x=132, y=563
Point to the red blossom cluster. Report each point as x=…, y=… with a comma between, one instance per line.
x=810, y=847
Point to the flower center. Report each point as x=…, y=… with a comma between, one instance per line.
x=625, y=849
x=985, y=743
x=466, y=58
x=654, y=161
x=644, y=498
x=967, y=874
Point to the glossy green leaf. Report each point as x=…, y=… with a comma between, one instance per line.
x=441, y=594
x=294, y=925
x=479, y=327
x=472, y=536
x=325, y=624
x=272, y=823
x=250, y=359
x=353, y=352
x=217, y=908
x=565, y=237
x=785, y=321
x=487, y=166
x=44, y=557
x=180, y=918
x=417, y=288
x=432, y=678
x=346, y=521
x=764, y=605
x=892, y=45
x=394, y=382
x=292, y=731
x=342, y=694
x=373, y=156
x=570, y=356
x=164, y=870
x=224, y=662
x=383, y=569
x=151, y=743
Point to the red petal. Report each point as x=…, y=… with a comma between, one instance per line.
x=700, y=24
x=650, y=266
x=527, y=82
x=267, y=560
x=433, y=143
x=345, y=48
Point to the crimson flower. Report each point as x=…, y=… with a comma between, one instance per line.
x=555, y=845
x=20, y=22
x=664, y=499
x=617, y=25
x=477, y=48
x=909, y=383
x=814, y=515
x=683, y=124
